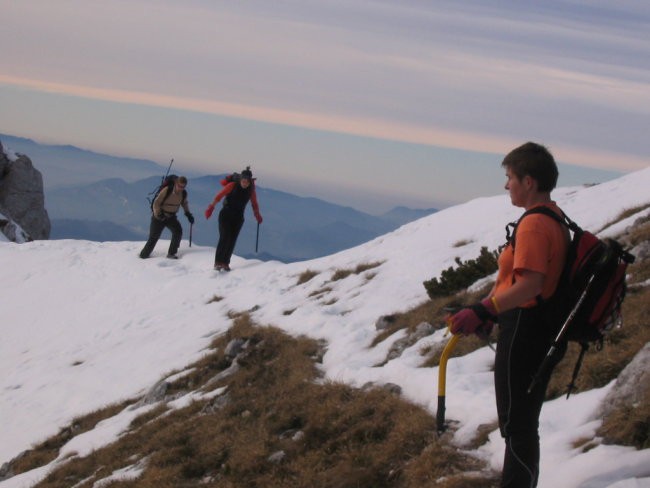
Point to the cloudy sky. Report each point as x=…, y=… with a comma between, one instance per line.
x=365, y=102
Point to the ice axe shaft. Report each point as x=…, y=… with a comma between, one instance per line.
x=257, y=237
x=442, y=382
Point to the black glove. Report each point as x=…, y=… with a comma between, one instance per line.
x=190, y=217
x=160, y=216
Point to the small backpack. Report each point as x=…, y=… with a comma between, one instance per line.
x=167, y=182
x=234, y=177
x=588, y=299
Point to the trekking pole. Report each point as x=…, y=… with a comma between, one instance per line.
x=191, y=225
x=151, y=195
x=257, y=238
x=442, y=380
x=168, y=169
x=560, y=335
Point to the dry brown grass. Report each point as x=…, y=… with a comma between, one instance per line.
x=319, y=293
x=639, y=273
x=625, y=214
x=48, y=450
x=435, y=312
x=340, y=274
x=462, y=242
x=348, y=437
x=305, y=276
x=629, y=425
x=431, y=311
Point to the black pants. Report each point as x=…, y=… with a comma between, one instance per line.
x=523, y=342
x=230, y=223
x=155, y=229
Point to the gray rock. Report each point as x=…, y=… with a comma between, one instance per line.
x=393, y=388
x=422, y=330
x=641, y=251
x=13, y=231
x=22, y=200
x=155, y=394
x=384, y=322
x=277, y=457
x=631, y=387
x=217, y=403
x=234, y=347
x=232, y=369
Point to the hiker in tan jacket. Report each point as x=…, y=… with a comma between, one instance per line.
x=165, y=206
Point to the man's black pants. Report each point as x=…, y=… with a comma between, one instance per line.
x=155, y=230
x=230, y=223
x=523, y=342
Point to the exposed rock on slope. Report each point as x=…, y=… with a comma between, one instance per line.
x=22, y=201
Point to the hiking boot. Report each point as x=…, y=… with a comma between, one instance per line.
x=219, y=266
x=226, y=267
x=172, y=256
x=143, y=256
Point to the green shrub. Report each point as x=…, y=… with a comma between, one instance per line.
x=452, y=280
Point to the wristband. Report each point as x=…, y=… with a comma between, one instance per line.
x=497, y=309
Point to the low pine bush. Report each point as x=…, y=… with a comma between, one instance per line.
x=452, y=280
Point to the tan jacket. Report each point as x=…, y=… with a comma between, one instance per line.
x=171, y=204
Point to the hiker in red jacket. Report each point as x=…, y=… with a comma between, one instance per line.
x=236, y=194
x=528, y=275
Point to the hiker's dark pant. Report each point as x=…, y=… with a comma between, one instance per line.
x=155, y=230
x=523, y=342
x=230, y=223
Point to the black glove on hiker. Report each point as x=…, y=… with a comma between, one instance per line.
x=190, y=217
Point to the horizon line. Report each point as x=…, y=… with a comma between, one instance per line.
x=354, y=126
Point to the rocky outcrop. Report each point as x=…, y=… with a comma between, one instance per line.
x=22, y=200
x=632, y=387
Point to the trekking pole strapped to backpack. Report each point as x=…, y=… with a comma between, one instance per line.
x=163, y=181
x=556, y=344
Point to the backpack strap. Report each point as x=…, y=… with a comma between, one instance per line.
x=170, y=188
x=511, y=228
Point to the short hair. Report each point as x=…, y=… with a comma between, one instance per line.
x=182, y=180
x=534, y=160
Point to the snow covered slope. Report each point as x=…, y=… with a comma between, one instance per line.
x=86, y=324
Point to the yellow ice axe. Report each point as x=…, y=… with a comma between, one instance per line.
x=442, y=379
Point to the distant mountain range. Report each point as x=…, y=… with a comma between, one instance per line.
x=85, y=200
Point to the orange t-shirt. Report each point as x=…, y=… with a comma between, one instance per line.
x=541, y=245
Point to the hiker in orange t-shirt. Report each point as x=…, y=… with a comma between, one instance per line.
x=528, y=274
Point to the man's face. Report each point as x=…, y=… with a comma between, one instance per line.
x=517, y=188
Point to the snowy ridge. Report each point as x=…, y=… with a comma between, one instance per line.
x=87, y=324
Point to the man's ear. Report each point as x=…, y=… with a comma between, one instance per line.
x=530, y=183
